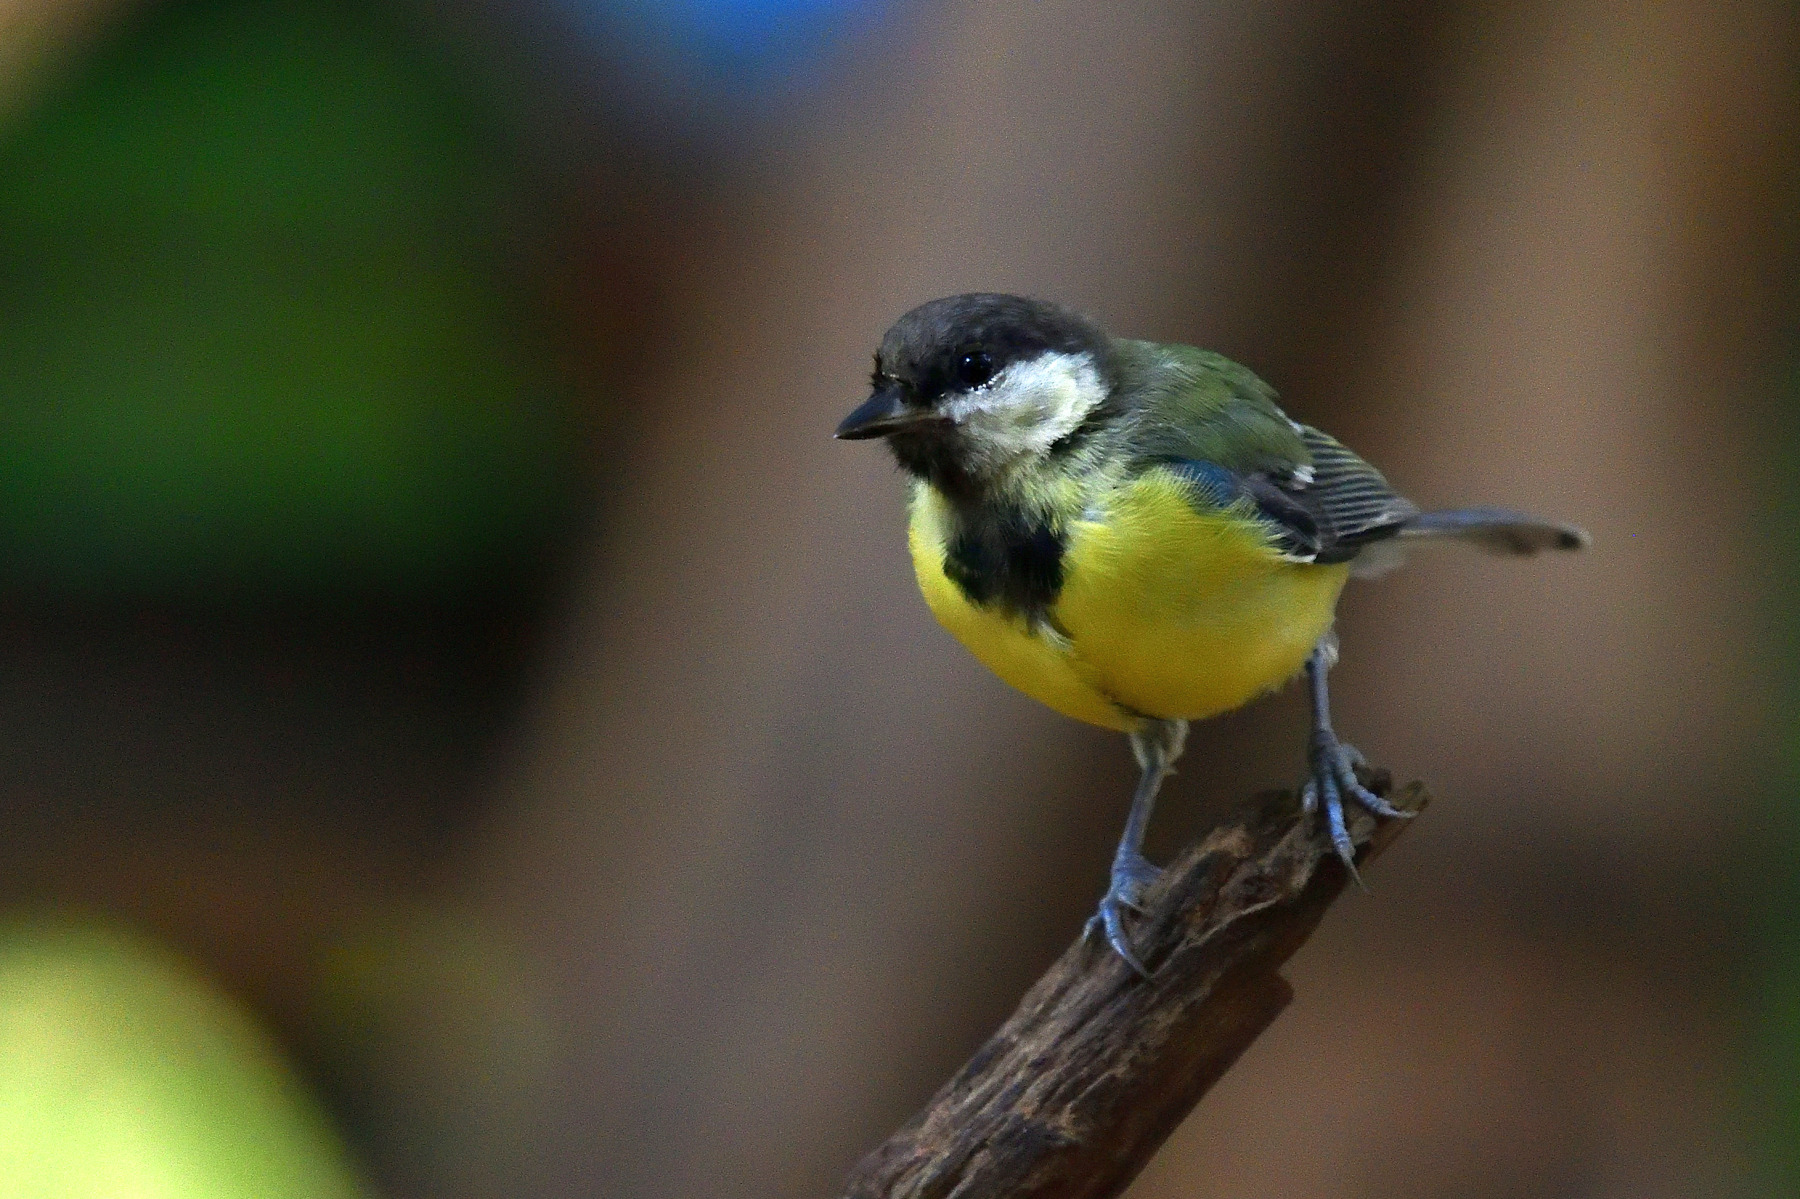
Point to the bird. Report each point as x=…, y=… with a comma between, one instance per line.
x=1135, y=534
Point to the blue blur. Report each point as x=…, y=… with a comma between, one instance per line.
x=728, y=47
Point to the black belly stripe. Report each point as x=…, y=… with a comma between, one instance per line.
x=1007, y=561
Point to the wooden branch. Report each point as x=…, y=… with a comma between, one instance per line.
x=1097, y=1066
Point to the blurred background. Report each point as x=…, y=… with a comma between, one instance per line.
x=467, y=730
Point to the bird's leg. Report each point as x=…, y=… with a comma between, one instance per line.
x=1156, y=747
x=1333, y=777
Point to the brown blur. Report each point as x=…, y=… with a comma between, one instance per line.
x=751, y=854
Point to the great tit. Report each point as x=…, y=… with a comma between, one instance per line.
x=1136, y=535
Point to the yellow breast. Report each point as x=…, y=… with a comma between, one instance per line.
x=1164, y=611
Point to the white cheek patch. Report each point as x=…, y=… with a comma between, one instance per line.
x=1029, y=406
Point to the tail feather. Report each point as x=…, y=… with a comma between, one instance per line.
x=1495, y=530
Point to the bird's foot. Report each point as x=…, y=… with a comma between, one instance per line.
x=1334, y=780
x=1131, y=877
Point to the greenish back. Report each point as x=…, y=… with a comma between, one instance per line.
x=1196, y=404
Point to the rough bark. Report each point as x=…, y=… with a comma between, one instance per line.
x=1076, y=1091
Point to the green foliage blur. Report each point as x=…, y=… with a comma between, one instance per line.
x=1777, y=1048
x=256, y=331
x=261, y=342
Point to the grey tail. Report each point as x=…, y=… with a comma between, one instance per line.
x=1496, y=530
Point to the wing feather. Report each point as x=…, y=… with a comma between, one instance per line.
x=1322, y=510
x=1218, y=426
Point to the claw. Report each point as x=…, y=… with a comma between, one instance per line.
x=1334, y=819
x=1111, y=921
x=1345, y=760
x=1334, y=764
x=1131, y=877
x=1156, y=745
x=1376, y=804
x=1333, y=782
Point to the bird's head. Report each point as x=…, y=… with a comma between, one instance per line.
x=968, y=387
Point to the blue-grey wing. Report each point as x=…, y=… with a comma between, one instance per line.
x=1324, y=510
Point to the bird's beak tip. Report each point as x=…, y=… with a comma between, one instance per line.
x=877, y=416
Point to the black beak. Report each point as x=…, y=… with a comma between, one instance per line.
x=882, y=413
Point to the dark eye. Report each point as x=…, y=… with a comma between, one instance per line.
x=974, y=368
